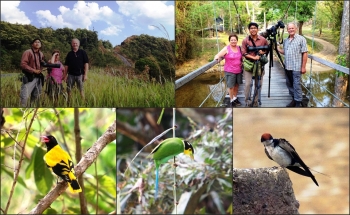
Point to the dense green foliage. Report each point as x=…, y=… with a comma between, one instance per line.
x=157, y=53
x=16, y=38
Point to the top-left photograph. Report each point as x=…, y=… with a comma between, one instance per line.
x=87, y=54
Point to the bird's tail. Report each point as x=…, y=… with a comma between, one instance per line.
x=157, y=176
x=73, y=184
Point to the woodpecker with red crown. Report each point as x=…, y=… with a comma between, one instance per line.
x=283, y=153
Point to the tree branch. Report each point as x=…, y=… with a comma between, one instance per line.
x=20, y=161
x=83, y=205
x=84, y=163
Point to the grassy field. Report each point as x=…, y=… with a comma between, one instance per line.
x=102, y=89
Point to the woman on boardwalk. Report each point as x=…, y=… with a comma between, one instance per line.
x=233, y=67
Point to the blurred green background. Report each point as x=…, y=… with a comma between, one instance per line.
x=35, y=179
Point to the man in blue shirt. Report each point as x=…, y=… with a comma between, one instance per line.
x=295, y=58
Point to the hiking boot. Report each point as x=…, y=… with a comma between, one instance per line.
x=233, y=104
x=297, y=104
x=291, y=104
x=238, y=103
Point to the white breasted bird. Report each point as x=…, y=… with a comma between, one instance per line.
x=283, y=153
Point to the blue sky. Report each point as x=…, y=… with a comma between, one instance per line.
x=113, y=20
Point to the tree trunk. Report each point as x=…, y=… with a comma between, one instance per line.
x=341, y=81
x=246, y=5
x=263, y=191
x=301, y=23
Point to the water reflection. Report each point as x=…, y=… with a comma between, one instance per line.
x=194, y=92
x=326, y=81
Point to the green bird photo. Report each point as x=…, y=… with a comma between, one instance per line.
x=151, y=181
x=166, y=150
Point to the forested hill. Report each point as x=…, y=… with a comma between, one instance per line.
x=157, y=53
x=16, y=38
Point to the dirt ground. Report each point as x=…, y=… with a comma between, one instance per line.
x=329, y=52
x=321, y=138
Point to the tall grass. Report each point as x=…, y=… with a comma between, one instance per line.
x=132, y=92
x=102, y=89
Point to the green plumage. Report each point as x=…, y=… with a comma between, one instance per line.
x=167, y=150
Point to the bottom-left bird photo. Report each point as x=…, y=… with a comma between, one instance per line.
x=58, y=161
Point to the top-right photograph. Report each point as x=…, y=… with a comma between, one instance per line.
x=251, y=54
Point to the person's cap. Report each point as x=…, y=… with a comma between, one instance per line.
x=253, y=23
x=35, y=40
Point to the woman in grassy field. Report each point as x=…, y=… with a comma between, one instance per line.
x=55, y=86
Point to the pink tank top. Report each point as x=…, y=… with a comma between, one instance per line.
x=57, y=73
x=233, y=61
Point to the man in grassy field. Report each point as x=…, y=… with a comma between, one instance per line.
x=33, y=79
x=77, y=67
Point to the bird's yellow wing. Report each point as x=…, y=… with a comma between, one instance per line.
x=56, y=155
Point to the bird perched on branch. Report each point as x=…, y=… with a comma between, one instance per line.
x=60, y=163
x=283, y=153
x=166, y=150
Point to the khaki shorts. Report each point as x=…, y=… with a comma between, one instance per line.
x=233, y=79
x=71, y=80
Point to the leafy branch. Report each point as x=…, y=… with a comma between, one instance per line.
x=20, y=161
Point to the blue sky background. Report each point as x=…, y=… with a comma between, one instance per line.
x=113, y=20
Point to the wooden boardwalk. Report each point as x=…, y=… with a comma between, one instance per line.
x=279, y=95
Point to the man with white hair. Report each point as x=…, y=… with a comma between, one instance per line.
x=295, y=58
x=77, y=67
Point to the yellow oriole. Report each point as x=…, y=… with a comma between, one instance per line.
x=60, y=163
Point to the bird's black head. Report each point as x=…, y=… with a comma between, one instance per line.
x=188, y=149
x=50, y=141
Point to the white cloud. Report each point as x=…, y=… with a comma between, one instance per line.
x=151, y=27
x=82, y=15
x=11, y=13
x=110, y=31
x=147, y=12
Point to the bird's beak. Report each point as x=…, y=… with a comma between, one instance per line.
x=44, y=139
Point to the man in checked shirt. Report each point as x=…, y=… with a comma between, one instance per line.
x=295, y=57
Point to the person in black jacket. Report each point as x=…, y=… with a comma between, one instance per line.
x=77, y=67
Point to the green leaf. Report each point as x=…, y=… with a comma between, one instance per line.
x=19, y=180
x=7, y=141
x=42, y=175
x=224, y=182
x=50, y=211
x=108, y=184
x=30, y=167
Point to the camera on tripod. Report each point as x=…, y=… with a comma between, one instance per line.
x=50, y=65
x=273, y=30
